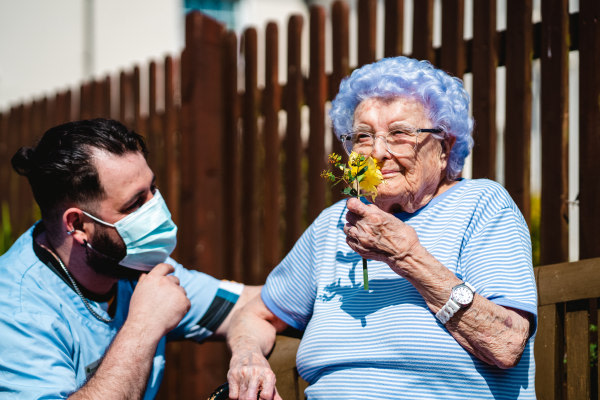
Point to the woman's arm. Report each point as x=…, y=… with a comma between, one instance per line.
x=495, y=334
x=251, y=336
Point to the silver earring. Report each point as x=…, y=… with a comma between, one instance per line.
x=71, y=231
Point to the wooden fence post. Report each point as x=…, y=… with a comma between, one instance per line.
x=394, y=28
x=589, y=128
x=250, y=161
x=367, y=31
x=554, y=99
x=517, y=136
x=272, y=176
x=423, y=31
x=484, y=62
x=452, y=59
x=293, y=142
x=204, y=367
x=317, y=92
x=340, y=49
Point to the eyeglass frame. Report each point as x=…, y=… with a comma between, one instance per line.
x=414, y=133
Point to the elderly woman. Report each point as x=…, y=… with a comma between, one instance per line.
x=451, y=307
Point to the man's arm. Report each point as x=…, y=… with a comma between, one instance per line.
x=250, y=337
x=157, y=305
x=246, y=296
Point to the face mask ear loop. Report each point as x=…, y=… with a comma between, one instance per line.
x=98, y=219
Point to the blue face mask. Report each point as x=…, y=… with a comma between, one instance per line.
x=148, y=233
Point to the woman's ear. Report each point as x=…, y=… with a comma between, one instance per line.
x=447, y=144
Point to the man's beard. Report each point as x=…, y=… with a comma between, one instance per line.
x=105, y=255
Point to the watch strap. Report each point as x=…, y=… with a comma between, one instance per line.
x=446, y=312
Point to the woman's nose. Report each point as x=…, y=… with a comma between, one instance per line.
x=380, y=150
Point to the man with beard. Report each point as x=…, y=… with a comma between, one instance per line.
x=89, y=295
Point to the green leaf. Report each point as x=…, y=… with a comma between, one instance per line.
x=349, y=191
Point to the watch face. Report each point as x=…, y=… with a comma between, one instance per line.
x=462, y=295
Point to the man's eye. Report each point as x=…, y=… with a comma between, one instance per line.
x=138, y=203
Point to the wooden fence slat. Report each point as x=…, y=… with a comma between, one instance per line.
x=517, y=137
x=453, y=48
x=317, y=93
x=97, y=99
x=589, y=128
x=171, y=131
x=136, y=82
x=204, y=367
x=13, y=144
x=250, y=161
x=33, y=122
x=293, y=141
x=548, y=354
x=272, y=174
x=154, y=130
x=232, y=169
x=340, y=47
x=4, y=155
x=59, y=109
x=393, y=28
x=484, y=62
x=125, y=99
x=423, y=30
x=25, y=207
x=367, y=31
x=63, y=108
x=171, y=382
x=578, y=356
x=232, y=195
x=49, y=115
x=341, y=68
x=86, y=101
x=554, y=98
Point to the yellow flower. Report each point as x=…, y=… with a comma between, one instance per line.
x=368, y=173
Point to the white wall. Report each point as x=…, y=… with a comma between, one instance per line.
x=42, y=43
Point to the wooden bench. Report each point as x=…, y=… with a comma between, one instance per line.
x=567, y=295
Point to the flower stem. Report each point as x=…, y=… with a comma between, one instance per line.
x=365, y=274
x=364, y=260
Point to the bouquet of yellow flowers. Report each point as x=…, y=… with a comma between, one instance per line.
x=361, y=175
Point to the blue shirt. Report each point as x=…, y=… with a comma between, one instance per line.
x=50, y=343
x=386, y=343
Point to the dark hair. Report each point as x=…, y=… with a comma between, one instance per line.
x=59, y=167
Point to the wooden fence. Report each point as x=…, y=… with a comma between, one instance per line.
x=242, y=188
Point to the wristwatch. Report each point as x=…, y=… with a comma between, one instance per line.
x=460, y=297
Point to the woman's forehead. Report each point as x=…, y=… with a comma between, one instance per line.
x=389, y=110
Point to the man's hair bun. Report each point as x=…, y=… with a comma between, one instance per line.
x=23, y=161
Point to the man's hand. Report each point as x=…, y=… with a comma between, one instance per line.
x=158, y=303
x=250, y=377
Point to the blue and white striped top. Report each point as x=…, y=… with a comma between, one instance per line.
x=386, y=342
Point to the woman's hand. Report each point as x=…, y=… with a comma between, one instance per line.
x=250, y=377
x=251, y=335
x=378, y=235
